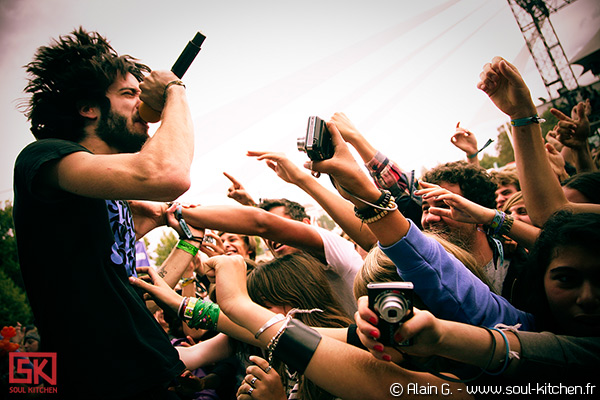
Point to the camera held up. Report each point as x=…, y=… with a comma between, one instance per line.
x=317, y=143
x=393, y=304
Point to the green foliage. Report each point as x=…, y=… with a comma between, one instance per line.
x=505, y=153
x=166, y=243
x=13, y=301
x=14, y=306
x=325, y=222
x=551, y=121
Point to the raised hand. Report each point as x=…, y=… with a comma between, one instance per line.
x=157, y=288
x=464, y=140
x=574, y=131
x=238, y=193
x=503, y=83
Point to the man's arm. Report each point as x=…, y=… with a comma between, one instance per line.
x=160, y=171
x=247, y=220
x=336, y=207
x=504, y=85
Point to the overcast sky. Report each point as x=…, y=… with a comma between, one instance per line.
x=404, y=72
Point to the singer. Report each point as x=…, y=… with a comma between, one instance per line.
x=74, y=229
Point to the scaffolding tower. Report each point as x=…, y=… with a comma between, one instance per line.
x=533, y=18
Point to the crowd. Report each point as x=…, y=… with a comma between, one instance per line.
x=504, y=264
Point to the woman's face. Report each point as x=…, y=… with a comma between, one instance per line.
x=31, y=345
x=519, y=212
x=235, y=244
x=572, y=285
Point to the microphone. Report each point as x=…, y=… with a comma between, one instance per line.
x=182, y=64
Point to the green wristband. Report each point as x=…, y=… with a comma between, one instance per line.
x=206, y=315
x=188, y=248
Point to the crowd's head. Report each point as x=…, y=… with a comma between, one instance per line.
x=583, y=187
x=565, y=274
x=508, y=184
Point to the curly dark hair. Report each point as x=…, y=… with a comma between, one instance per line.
x=295, y=210
x=74, y=70
x=474, y=182
x=562, y=229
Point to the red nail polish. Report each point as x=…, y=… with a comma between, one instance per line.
x=378, y=347
x=374, y=334
x=387, y=357
x=373, y=320
x=398, y=338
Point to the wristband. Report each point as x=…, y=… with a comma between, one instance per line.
x=185, y=281
x=527, y=121
x=188, y=311
x=205, y=315
x=296, y=345
x=188, y=248
x=268, y=324
x=177, y=82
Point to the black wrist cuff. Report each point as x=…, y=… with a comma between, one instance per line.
x=297, y=345
x=352, y=337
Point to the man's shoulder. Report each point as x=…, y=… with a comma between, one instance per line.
x=44, y=150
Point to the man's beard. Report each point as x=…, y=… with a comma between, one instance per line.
x=460, y=237
x=112, y=129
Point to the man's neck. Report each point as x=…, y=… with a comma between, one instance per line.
x=96, y=145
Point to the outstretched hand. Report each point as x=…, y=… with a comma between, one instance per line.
x=278, y=162
x=459, y=208
x=157, y=288
x=238, y=193
x=503, y=83
x=229, y=275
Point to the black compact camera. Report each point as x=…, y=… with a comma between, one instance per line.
x=317, y=143
x=393, y=304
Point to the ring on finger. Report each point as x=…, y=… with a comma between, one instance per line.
x=268, y=369
x=253, y=380
x=249, y=392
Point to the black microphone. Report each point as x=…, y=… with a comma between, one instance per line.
x=182, y=64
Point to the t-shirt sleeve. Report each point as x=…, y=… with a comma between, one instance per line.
x=38, y=154
x=340, y=254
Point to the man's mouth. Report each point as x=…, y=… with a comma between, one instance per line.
x=588, y=319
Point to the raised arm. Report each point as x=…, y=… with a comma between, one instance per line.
x=466, y=141
x=338, y=208
x=160, y=171
x=502, y=82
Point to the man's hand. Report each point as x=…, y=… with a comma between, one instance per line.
x=229, y=274
x=573, y=132
x=153, y=88
x=282, y=166
x=464, y=140
x=557, y=162
x=503, y=83
x=346, y=127
x=238, y=193
x=147, y=215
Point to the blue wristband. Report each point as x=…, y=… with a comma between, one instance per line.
x=527, y=121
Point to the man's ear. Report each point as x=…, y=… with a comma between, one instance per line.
x=88, y=111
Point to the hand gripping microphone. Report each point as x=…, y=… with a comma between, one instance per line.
x=182, y=64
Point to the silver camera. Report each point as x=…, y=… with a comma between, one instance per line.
x=317, y=143
x=393, y=303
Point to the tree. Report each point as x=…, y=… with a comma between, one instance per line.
x=14, y=305
x=167, y=241
x=505, y=152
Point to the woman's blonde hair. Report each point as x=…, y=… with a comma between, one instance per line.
x=377, y=267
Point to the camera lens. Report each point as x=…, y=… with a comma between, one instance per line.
x=301, y=143
x=392, y=307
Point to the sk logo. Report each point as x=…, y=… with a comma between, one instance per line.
x=28, y=368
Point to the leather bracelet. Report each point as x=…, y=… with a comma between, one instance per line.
x=175, y=82
x=296, y=345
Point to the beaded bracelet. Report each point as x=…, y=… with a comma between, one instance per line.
x=188, y=311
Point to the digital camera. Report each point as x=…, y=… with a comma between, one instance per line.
x=317, y=143
x=393, y=304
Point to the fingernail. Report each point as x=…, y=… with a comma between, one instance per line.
x=398, y=338
x=378, y=347
x=387, y=357
x=373, y=320
x=374, y=334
